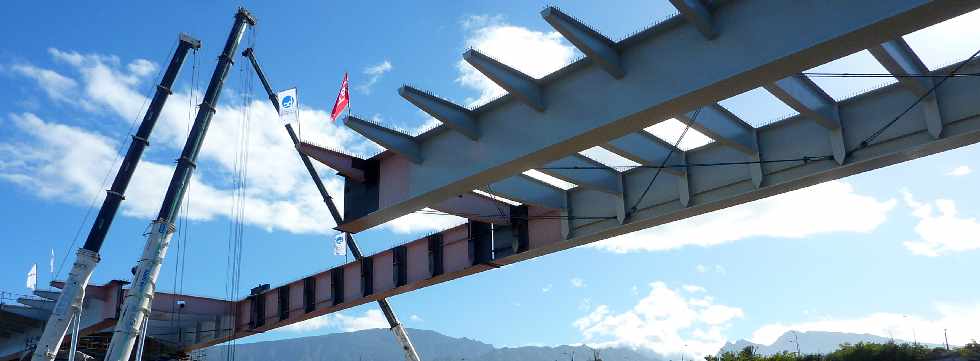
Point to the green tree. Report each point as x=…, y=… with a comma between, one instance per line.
x=873, y=352
x=970, y=351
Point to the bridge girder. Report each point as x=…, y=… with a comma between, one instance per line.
x=536, y=231
x=668, y=70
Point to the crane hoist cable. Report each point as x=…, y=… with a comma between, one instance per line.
x=237, y=210
x=183, y=228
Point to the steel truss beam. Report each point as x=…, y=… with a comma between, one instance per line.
x=804, y=96
x=724, y=127
x=596, y=46
x=668, y=70
x=535, y=231
x=403, y=144
x=452, y=115
x=899, y=59
x=697, y=13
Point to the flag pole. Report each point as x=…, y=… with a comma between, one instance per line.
x=51, y=268
x=348, y=92
x=299, y=124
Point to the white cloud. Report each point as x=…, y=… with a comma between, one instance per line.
x=694, y=288
x=61, y=161
x=532, y=52
x=142, y=67
x=664, y=321
x=58, y=87
x=941, y=232
x=546, y=289
x=426, y=220
x=949, y=41
x=426, y=124
x=106, y=85
x=312, y=324
x=476, y=21
x=374, y=74
x=414, y=318
x=577, y=282
x=368, y=320
x=797, y=214
x=960, y=320
x=719, y=269
x=670, y=130
x=68, y=163
x=960, y=171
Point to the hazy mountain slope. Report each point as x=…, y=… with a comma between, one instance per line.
x=561, y=353
x=367, y=345
x=380, y=345
x=811, y=342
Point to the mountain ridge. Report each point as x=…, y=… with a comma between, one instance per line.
x=381, y=345
x=810, y=342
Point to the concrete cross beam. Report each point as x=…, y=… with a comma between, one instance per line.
x=804, y=96
x=452, y=115
x=670, y=69
x=593, y=44
x=899, y=59
x=696, y=12
x=519, y=85
x=391, y=139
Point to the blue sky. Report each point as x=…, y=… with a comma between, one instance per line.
x=884, y=252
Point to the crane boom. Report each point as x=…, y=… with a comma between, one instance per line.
x=396, y=327
x=72, y=294
x=137, y=304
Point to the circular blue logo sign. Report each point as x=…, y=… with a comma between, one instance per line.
x=287, y=101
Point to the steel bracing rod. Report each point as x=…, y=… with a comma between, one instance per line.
x=666, y=73
x=88, y=256
x=137, y=304
x=393, y=323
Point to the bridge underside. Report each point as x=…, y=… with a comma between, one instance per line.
x=531, y=231
x=825, y=141
x=620, y=88
x=608, y=99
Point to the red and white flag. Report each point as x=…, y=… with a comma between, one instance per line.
x=342, y=100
